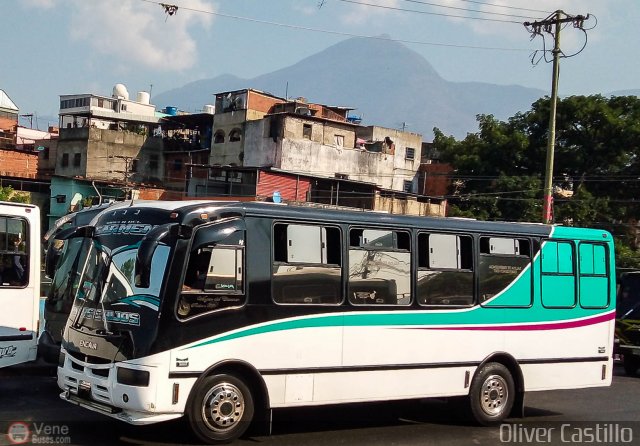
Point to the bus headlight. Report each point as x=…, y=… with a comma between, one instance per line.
x=132, y=377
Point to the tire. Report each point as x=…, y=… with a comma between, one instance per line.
x=492, y=394
x=631, y=364
x=221, y=409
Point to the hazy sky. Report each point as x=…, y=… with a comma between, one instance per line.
x=54, y=47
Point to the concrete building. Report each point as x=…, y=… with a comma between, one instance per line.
x=110, y=138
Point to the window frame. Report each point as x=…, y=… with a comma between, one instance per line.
x=607, y=274
x=472, y=270
x=349, y=248
x=25, y=255
x=530, y=257
x=216, y=227
x=574, y=274
x=274, y=263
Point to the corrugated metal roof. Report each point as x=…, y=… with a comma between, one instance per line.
x=6, y=102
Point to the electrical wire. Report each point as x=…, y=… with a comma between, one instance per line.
x=497, y=6
x=338, y=33
x=440, y=14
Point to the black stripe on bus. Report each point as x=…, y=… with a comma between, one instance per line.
x=369, y=368
x=21, y=337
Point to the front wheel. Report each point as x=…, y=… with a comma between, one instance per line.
x=492, y=394
x=221, y=409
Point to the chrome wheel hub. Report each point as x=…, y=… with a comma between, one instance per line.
x=222, y=407
x=494, y=395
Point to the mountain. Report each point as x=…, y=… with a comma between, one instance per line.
x=388, y=84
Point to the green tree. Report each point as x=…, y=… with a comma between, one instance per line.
x=499, y=169
x=8, y=194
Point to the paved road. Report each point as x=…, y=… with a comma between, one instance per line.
x=29, y=395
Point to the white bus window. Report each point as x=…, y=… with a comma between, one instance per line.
x=14, y=260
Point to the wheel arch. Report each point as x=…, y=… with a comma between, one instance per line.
x=252, y=377
x=513, y=366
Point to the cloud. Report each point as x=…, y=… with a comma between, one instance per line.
x=137, y=34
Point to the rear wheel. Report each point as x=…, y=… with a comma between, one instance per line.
x=492, y=394
x=221, y=409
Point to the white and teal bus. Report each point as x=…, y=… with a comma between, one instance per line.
x=19, y=282
x=224, y=311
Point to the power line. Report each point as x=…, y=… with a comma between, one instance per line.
x=337, y=33
x=497, y=6
x=440, y=14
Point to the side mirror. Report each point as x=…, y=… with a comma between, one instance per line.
x=53, y=252
x=148, y=247
x=51, y=259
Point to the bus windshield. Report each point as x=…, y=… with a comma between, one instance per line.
x=106, y=290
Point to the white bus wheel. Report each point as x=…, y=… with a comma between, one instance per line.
x=221, y=409
x=492, y=394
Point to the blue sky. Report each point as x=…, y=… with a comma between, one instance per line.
x=54, y=47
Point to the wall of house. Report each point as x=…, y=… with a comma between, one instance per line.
x=99, y=150
x=404, y=169
x=14, y=163
x=409, y=206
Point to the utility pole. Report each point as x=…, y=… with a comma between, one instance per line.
x=555, y=22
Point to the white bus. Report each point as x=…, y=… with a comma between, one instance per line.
x=19, y=282
x=222, y=312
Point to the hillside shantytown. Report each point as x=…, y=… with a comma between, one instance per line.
x=249, y=145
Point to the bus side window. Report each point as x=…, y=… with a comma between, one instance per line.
x=379, y=267
x=445, y=269
x=306, y=264
x=504, y=272
x=14, y=260
x=214, y=277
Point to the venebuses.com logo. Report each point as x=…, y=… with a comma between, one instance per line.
x=21, y=432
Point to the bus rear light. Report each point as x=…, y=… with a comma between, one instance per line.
x=132, y=377
x=176, y=393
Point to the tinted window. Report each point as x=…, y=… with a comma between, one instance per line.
x=14, y=259
x=379, y=267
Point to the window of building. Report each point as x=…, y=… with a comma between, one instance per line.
x=14, y=260
x=558, y=275
x=177, y=164
x=235, y=135
x=77, y=158
x=65, y=160
x=153, y=162
x=45, y=153
x=410, y=153
x=306, y=264
x=379, y=267
x=504, y=273
x=445, y=269
x=594, y=278
x=218, y=137
x=306, y=131
x=123, y=107
x=407, y=186
x=134, y=165
x=338, y=140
